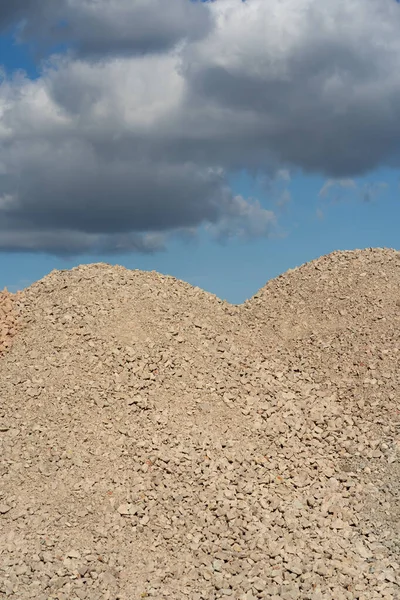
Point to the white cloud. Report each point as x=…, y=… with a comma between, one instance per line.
x=335, y=185
x=342, y=189
x=284, y=175
x=245, y=219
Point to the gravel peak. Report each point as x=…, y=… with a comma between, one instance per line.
x=159, y=442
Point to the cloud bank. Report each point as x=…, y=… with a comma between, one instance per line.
x=131, y=135
x=98, y=28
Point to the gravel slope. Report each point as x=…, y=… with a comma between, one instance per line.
x=158, y=442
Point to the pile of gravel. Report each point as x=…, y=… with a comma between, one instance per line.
x=9, y=322
x=158, y=442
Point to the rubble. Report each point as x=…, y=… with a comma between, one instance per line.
x=159, y=442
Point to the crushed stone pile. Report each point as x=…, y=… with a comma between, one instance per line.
x=9, y=321
x=159, y=442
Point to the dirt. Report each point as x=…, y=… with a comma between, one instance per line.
x=159, y=442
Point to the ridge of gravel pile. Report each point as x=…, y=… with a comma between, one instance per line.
x=159, y=442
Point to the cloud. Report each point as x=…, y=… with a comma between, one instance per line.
x=105, y=27
x=276, y=187
x=303, y=82
x=12, y=12
x=244, y=219
x=284, y=175
x=69, y=242
x=132, y=135
x=337, y=187
x=84, y=165
x=372, y=189
x=347, y=189
x=284, y=199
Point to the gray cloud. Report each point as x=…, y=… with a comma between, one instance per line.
x=104, y=27
x=309, y=83
x=107, y=195
x=79, y=169
x=12, y=12
x=126, y=150
x=67, y=242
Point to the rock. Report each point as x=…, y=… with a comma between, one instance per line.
x=146, y=444
x=124, y=509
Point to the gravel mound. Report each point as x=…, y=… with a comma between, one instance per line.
x=9, y=322
x=158, y=442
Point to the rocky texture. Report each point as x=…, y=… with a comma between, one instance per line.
x=9, y=322
x=158, y=442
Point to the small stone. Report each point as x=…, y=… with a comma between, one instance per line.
x=259, y=584
x=83, y=570
x=124, y=509
x=21, y=569
x=295, y=568
x=216, y=565
x=337, y=524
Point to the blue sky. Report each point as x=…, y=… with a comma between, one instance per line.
x=313, y=214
